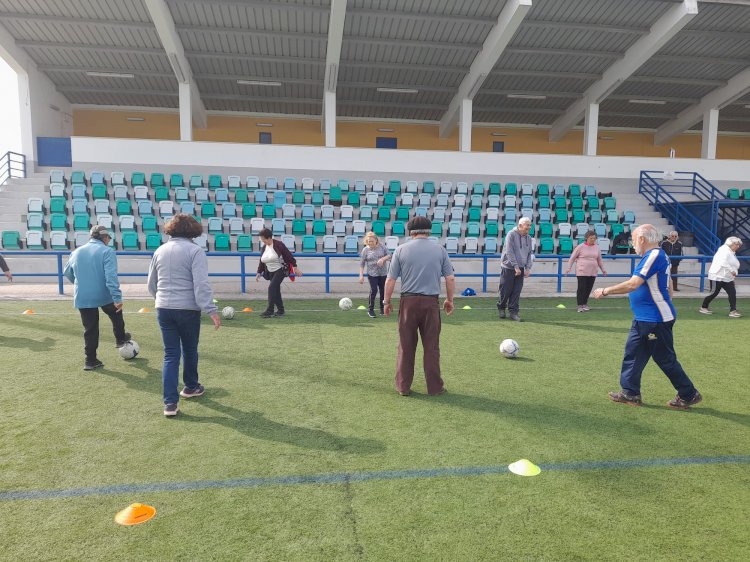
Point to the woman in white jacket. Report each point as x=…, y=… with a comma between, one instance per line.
x=722, y=272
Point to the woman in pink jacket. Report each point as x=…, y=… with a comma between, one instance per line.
x=588, y=258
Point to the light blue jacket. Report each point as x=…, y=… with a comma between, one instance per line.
x=93, y=270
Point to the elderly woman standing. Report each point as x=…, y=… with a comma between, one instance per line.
x=723, y=270
x=374, y=258
x=588, y=260
x=178, y=279
x=276, y=262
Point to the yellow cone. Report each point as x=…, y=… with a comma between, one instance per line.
x=134, y=514
x=560, y=306
x=524, y=467
x=215, y=301
x=361, y=307
x=143, y=310
x=247, y=309
x=467, y=307
x=29, y=311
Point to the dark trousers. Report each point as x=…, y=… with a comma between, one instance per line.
x=647, y=340
x=509, y=293
x=90, y=320
x=274, y=291
x=673, y=272
x=180, y=332
x=585, y=284
x=730, y=289
x=377, y=283
x=418, y=315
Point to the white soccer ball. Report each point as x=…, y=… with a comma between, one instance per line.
x=227, y=312
x=345, y=303
x=509, y=348
x=130, y=350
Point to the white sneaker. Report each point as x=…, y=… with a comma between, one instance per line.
x=735, y=314
x=704, y=311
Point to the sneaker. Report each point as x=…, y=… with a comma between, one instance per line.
x=192, y=392
x=90, y=366
x=581, y=309
x=267, y=314
x=382, y=312
x=704, y=311
x=632, y=399
x=515, y=317
x=735, y=314
x=586, y=307
x=442, y=391
x=501, y=313
x=279, y=313
x=407, y=393
x=120, y=343
x=681, y=404
x=371, y=314
x=170, y=410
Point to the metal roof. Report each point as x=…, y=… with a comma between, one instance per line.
x=559, y=51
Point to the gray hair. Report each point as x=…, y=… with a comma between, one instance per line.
x=649, y=233
x=524, y=220
x=732, y=240
x=673, y=233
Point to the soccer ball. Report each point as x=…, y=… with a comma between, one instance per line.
x=345, y=303
x=129, y=350
x=227, y=312
x=509, y=348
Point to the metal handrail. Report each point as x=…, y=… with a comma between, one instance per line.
x=485, y=275
x=12, y=165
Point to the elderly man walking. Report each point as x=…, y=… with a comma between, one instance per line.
x=420, y=263
x=515, y=265
x=651, y=332
x=92, y=269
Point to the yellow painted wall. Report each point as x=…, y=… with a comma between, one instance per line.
x=307, y=132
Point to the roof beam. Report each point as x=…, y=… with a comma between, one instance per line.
x=500, y=35
x=563, y=52
x=165, y=27
x=580, y=26
x=662, y=31
x=421, y=16
x=261, y=4
x=17, y=16
x=736, y=87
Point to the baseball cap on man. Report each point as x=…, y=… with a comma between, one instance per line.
x=419, y=225
x=98, y=232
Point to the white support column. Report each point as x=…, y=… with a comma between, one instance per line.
x=710, y=132
x=186, y=112
x=464, y=125
x=591, y=129
x=329, y=117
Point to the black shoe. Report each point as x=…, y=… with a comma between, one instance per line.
x=171, y=410
x=681, y=404
x=193, y=392
x=279, y=313
x=91, y=365
x=267, y=314
x=120, y=343
x=501, y=313
x=515, y=317
x=371, y=313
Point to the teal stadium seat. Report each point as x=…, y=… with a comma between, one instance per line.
x=157, y=180
x=11, y=240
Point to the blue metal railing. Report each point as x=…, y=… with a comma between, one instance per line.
x=487, y=274
x=12, y=165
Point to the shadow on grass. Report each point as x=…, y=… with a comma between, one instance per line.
x=33, y=345
x=584, y=326
x=742, y=419
x=257, y=426
x=44, y=324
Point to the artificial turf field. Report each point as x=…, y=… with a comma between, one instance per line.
x=302, y=450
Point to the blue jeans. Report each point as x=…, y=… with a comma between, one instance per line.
x=180, y=331
x=647, y=340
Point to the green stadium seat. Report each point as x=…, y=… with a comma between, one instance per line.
x=437, y=229
x=149, y=224
x=319, y=228
x=378, y=227
x=402, y=214
x=129, y=241
x=137, y=178
x=561, y=215
x=161, y=194
x=175, y=180
x=566, y=246
x=610, y=203
x=475, y=214
x=221, y=242
x=81, y=222
x=394, y=186
x=298, y=197
x=384, y=214
x=58, y=222
x=511, y=189
x=546, y=230
x=153, y=240
x=398, y=228
x=491, y=229
x=546, y=246
x=208, y=210
x=746, y=194
x=335, y=196
x=542, y=190
x=574, y=190
x=249, y=211
x=733, y=193
x=494, y=188
x=309, y=244
x=196, y=181
x=11, y=240
x=389, y=200
x=472, y=230
x=578, y=215
x=241, y=196
x=428, y=187
x=124, y=207
x=560, y=202
x=299, y=227
x=57, y=205
x=316, y=198
x=157, y=180
x=544, y=202
x=77, y=177
x=593, y=202
x=99, y=191
x=244, y=243
x=214, y=182
x=615, y=229
x=576, y=202
x=269, y=211
x=353, y=198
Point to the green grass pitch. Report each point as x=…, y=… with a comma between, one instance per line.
x=312, y=394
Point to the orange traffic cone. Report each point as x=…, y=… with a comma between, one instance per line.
x=144, y=310
x=134, y=514
x=29, y=311
x=247, y=309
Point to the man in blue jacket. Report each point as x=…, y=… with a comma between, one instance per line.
x=92, y=269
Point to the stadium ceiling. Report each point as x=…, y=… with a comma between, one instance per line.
x=270, y=57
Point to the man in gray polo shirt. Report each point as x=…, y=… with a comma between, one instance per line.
x=515, y=265
x=420, y=263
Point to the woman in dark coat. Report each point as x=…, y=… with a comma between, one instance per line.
x=276, y=262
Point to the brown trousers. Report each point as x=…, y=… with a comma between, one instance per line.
x=418, y=314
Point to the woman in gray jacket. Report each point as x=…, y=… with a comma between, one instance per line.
x=178, y=280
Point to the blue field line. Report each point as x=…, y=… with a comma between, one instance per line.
x=342, y=478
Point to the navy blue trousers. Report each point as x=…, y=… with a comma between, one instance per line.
x=647, y=340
